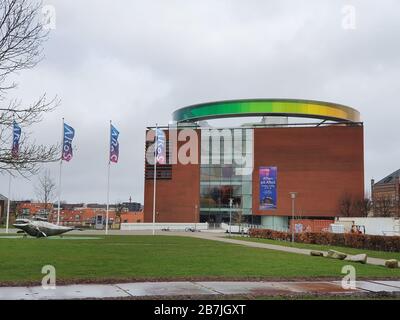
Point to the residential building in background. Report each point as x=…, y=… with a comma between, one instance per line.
x=3, y=207
x=132, y=217
x=90, y=217
x=132, y=206
x=28, y=208
x=386, y=196
x=78, y=214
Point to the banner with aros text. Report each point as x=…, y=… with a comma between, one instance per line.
x=268, y=192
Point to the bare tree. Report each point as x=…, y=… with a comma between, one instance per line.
x=21, y=41
x=238, y=218
x=45, y=190
x=363, y=206
x=119, y=209
x=346, y=205
x=383, y=206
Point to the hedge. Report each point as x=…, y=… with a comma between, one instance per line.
x=358, y=241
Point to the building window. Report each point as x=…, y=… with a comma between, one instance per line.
x=222, y=183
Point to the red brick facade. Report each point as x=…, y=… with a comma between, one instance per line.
x=178, y=198
x=322, y=164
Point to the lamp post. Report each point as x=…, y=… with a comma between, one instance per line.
x=230, y=216
x=195, y=217
x=293, y=197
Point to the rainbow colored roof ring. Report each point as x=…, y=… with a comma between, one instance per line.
x=267, y=107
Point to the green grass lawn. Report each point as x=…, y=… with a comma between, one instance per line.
x=352, y=251
x=160, y=257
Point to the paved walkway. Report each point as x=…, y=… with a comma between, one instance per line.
x=193, y=289
x=223, y=238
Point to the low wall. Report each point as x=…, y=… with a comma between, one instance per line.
x=160, y=226
x=310, y=225
x=373, y=225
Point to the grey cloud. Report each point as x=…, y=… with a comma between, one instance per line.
x=136, y=61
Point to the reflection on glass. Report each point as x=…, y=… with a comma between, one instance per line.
x=224, y=181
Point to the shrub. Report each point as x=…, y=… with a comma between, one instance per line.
x=358, y=241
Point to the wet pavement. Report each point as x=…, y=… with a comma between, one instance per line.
x=193, y=289
x=379, y=286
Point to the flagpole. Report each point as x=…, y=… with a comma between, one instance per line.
x=8, y=202
x=155, y=181
x=108, y=195
x=108, y=183
x=59, y=177
x=9, y=182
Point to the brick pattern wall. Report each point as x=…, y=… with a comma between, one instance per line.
x=321, y=164
x=177, y=199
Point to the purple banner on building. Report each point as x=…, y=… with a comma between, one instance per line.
x=114, y=145
x=161, y=147
x=69, y=134
x=268, y=193
x=16, y=137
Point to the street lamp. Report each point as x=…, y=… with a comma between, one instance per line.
x=293, y=197
x=195, y=217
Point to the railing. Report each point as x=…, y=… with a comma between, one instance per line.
x=214, y=226
x=163, y=225
x=252, y=226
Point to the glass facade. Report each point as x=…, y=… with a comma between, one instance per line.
x=226, y=174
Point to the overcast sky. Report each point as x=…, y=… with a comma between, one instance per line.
x=136, y=61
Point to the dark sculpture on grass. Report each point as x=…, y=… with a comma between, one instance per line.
x=40, y=228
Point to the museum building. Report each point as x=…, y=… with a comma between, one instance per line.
x=295, y=158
